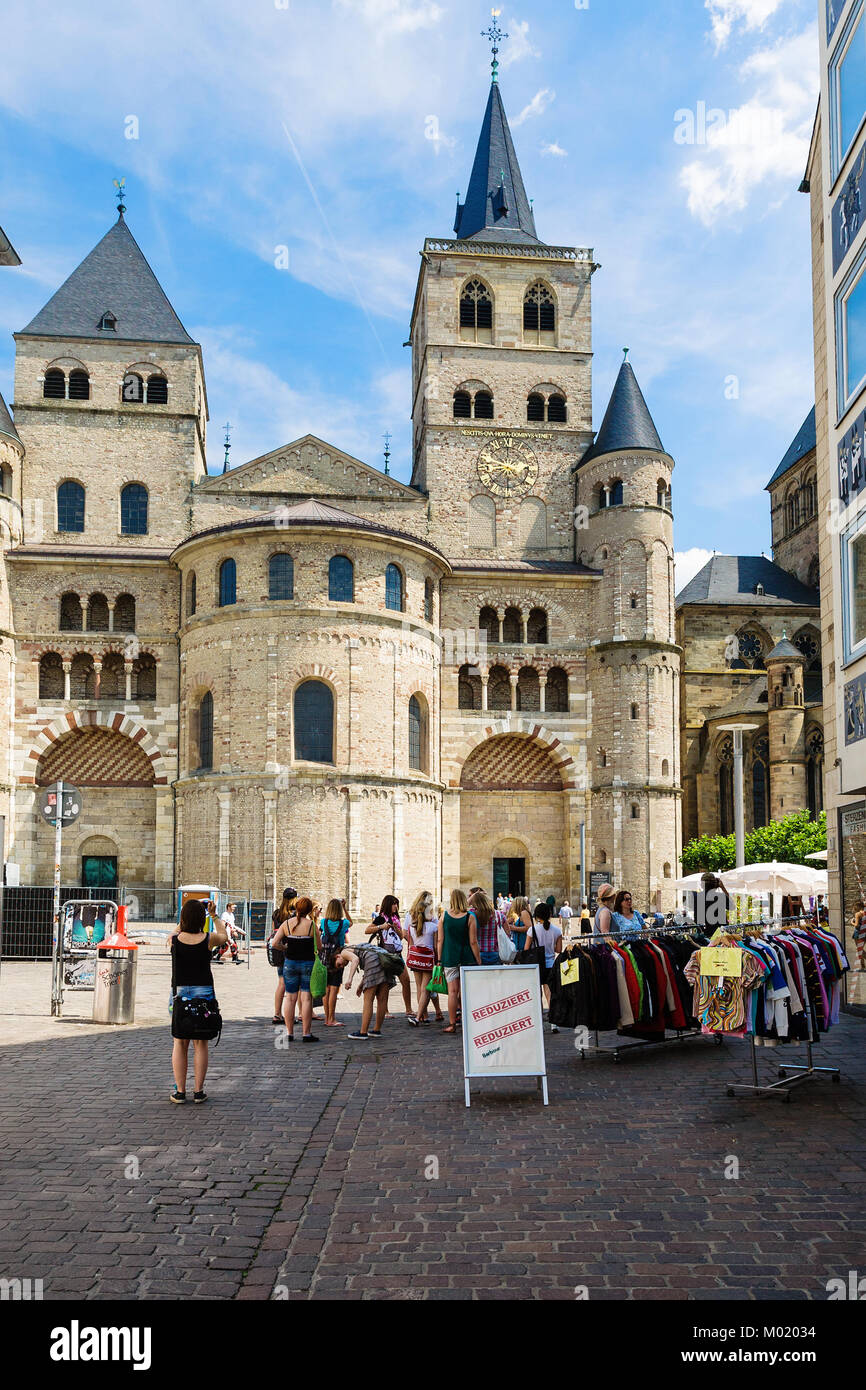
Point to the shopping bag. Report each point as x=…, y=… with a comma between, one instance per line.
x=507, y=948
x=438, y=984
x=318, y=978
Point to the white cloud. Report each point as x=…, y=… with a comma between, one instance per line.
x=537, y=106
x=725, y=14
x=762, y=144
x=687, y=563
x=395, y=16
x=518, y=45
x=555, y=150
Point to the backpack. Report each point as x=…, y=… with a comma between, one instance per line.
x=392, y=964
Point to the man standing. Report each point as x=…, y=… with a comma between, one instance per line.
x=565, y=916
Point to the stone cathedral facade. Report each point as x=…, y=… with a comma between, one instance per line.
x=306, y=671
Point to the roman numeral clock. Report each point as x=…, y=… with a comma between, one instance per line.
x=507, y=467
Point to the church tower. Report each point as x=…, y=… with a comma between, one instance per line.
x=501, y=380
x=786, y=720
x=623, y=497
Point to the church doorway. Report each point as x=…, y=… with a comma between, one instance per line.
x=509, y=877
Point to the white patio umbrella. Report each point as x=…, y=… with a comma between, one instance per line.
x=819, y=854
x=691, y=883
x=795, y=880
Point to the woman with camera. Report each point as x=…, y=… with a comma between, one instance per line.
x=191, y=978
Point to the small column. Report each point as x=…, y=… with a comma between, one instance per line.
x=542, y=688
x=270, y=843
x=513, y=680
x=225, y=803
x=485, y=676
x=524, y=623
x=127, y=671
x=111, y=603
x=97, y=682
x=500, y=613
x=67, y=680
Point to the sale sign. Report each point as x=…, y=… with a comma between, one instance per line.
x=502, y=1022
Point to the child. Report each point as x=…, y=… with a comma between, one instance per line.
x=334, y=929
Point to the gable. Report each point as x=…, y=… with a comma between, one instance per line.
x=309, y=468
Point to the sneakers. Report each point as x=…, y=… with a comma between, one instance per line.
x=308, y=1037
x=375, y=1033
x=412, y=1020
x=178, y=1097
x=199, y=1096
x=365, y=1036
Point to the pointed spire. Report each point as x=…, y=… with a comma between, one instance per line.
x=387, y=438
x=627, y=423
x=227, y=446
x=496, y=207
x=6, y=424
x=8, y=254
x=116, y=277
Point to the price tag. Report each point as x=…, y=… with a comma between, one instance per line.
x=722, y=960
x=569, y=971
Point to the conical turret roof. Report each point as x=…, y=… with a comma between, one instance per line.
x=627, y=423
x=496, y=206
x=114, y=279
x=7, y=426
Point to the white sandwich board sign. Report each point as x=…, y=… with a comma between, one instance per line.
x=502, y=1023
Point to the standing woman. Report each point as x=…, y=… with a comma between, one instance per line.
x=278, y=957
x=487, y=921
x=392, y=936
x=421, y=928
x=626, y=917
x=522, y=918
x=192, y=978
x=299, y=937
x=333, y=931
x=457, y=944
x=604, y=924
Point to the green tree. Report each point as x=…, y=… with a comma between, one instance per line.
x=789, y=841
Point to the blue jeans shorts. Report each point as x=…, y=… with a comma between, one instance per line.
x=296, y=976
x=191, y=992
x=490, y=958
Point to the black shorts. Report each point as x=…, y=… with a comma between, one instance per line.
x=335, y=977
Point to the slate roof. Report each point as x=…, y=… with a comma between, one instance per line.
x=804, y=441
x=750, y=700
x=785, y=651
x=117, y=279
x=521, y=567
x=496, y=206
x=731, y=579
x=627, y=423
x=8, y=254
x=6, y=424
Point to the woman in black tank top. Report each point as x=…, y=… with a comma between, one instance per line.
x=192, y=977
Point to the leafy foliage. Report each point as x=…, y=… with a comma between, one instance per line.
x=788, y=841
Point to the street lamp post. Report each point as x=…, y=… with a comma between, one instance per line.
x=739, y=811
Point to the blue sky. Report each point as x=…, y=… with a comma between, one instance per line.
x=307, y=124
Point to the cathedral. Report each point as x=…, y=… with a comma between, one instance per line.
x=305, y=671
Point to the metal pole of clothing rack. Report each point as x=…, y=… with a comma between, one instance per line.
x=784, y=1087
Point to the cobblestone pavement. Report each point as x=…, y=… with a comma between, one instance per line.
x=354, y=1170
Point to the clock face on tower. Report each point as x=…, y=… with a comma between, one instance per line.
x=507, y=467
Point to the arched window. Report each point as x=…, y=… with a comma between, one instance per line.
x=512, y=628
x=70, y=507
x=51, y=684
x=190, y=595
x=71, y=616
x=341, y=579
x=281, y=576
x=418, y=733
x=602, y=856
x=726, y=786
x=54, y=385
x=132, y=389
x=476, y=313
x=133, y=510
x=539, y=316
x=462, y=405
x=124, y=614
x=666, y=768
x=488, y=622
x=205, y=733
x=228, y=588
x=528, y=689
x=97, y=613
x=793, y=512
x=79, y=385
x=157, y=390
x=314, y=722
x=815, y=772
x=112, y=682
x=556, y=691
x=536, y=627
x=468, y=688
x=428, y=600
x=144, y=677
x=498, y=688
x=667, y=870
x=482, y=522
x=616, y=493
x=663, y=493
x=634, y=712
x=82, y=680
x=394, y=588
x=760, y=761
x=483, y=405
x=635, y=811
x=602, y=757
x=535, y=407
x=557, y=410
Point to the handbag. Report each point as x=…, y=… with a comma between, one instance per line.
x=318, y=978
x=507, y=948
x=196, y=1019
x=438, y=984
x=420, y=958
x=532, y=955
x=392, y=964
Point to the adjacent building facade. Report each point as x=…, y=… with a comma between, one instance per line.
x=306, y=671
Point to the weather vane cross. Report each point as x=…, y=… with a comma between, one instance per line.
x=118, y=183
x=387, y=438
x=227, y=446
x=495, y=35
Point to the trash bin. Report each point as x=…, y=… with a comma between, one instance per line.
x=114, y=992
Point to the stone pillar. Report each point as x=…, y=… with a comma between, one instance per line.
x=500, y=614
x=111, y=603
x=163, y=857
x=225, y=803
x=97, y=682
x=127, y=671
x=542, y=695
x=67, y=680
x=524, y=624
x=513, y=679
x=485, y=676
